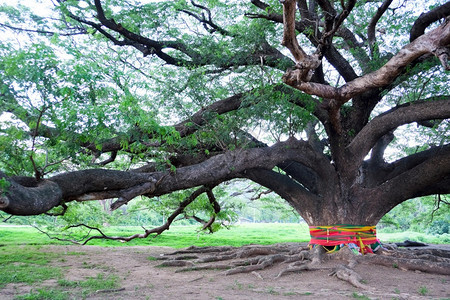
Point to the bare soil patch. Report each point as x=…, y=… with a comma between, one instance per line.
x=140, y=278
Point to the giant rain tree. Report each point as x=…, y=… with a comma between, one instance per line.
x=118, y=99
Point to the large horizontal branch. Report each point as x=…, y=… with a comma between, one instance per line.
x=436, y=41
x=386, y=122
x=233, y=164
x=414, y=181
x=404, y=164
x=17, y=199
x=441, y=187
x=98, y=184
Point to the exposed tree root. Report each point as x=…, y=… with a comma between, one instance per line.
x=257, y=264
x=176, y=263
x=298, y=258
x=437, y=263
x=345, y=273
x=296, y=268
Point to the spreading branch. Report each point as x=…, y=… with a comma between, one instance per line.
x=333, y=56
x=384, y=123
x=429, y=172
x=304, y=64
x=332, y=22
x=426, y=19
x=373, y=23
x=29, y=200
x=434, y=42
x=46, y=32
x=207, y=22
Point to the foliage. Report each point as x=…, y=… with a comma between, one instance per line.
x=421, y=215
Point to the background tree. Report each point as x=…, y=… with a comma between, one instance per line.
x=117, y=99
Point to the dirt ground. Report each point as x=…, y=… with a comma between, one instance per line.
x=141, y=279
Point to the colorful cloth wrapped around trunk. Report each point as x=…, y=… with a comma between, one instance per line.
x=358, y=238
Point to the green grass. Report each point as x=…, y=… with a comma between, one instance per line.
x=44, y=294
x=185, y=236
x=73, y=289
x=414, y=236
x=26, y=265
x=176, y=237
x=23, y=235
x=100, y=282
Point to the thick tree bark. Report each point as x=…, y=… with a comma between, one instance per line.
x=95, y=184
x=29, y=200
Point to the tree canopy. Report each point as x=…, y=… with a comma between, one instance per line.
x=340, y=107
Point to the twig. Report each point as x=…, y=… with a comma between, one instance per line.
x=147, y=232
x=83, y=31
x=6, y=220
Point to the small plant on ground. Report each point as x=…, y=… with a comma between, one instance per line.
x=44, y=294
x=289, y=293
x=355, y=295
x=272, y=291
x=67, y=283
x=100, y=282
x=238, y=285
x=423, y=290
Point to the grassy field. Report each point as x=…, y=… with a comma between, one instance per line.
x=184, y=236
x=31, y=266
